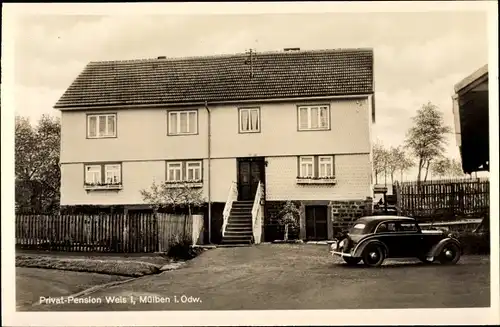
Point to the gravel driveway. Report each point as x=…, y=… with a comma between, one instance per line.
x=297, y=277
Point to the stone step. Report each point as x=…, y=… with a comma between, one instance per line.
x=236, y=240
x=233, y=245
x=234, y=233
x=241, y=217
x=232, y=227
x=241, y=210
x=243, y=202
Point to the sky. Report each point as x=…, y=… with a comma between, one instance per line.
x=419, y=56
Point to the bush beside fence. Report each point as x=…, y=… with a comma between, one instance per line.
x=132, y=233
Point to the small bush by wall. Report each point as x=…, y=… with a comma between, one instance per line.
x=474, y=243
x=181, y=248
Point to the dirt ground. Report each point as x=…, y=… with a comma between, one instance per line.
x=296, y=277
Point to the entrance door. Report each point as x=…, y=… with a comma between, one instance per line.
x=250, y=172
x=316, y=222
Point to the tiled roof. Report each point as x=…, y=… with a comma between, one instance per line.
x=222, y=78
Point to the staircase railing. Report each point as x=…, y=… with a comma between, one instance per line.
x=257, y=214
x=231, y=197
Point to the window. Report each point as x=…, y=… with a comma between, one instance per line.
x=306, y=167
x=386, y=227
x=103, y=174
x=249, y=120
x=93, y=174
x=321, y=167
x=193, y=171
x=184, y=171
x=357, y=229
x=112, y=174
x=325, y=166
x=182, y=122
x=101, y=125
x=314, y=118
x=174, y=171
x=408, y=227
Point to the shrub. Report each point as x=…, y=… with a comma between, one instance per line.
x=474, y=243
x=181, y=248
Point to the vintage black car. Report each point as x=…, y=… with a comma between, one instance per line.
x=375, y=238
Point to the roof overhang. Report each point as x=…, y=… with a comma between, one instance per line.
x=218, y=102
x=470, y=111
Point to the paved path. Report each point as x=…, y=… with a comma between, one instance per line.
x=296, y=277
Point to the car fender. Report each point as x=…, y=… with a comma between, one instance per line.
x=437, y=248
x=360, y=247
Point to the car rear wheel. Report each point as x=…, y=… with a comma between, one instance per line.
x=351, y=261
x=373, y=255
x=450, y=254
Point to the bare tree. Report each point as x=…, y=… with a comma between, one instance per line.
x=168, y=196
x=446, y=167
x=394, y=156
x=440, y=167
x=405, y=162
x=427, y=137
x=380, y=160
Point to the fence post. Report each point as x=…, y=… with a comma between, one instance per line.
x=398, y=198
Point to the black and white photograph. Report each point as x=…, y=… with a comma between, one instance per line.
x=226, y=162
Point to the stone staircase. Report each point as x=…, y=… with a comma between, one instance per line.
x=239, y=224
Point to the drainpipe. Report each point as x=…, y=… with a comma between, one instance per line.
x=209, y=134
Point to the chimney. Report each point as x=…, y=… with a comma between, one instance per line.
x=291, y=49
x=162, y=57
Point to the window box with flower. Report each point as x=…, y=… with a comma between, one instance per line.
x=103, y=177
x=188, y=183
x=328, y=180
x=316, y=170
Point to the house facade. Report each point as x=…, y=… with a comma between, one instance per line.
x=284, y=125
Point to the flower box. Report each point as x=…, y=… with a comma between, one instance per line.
x=315, y=181
x=97, y=187
x=195, y=184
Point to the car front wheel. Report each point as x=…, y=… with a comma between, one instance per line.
x=450, y=254
x=351, y=261
x=373, y=256
x=424, y=259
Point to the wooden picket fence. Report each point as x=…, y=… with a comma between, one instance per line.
x=132, y=233
x=444, y=199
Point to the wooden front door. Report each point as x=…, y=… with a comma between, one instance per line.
x=250, y=172
x=316, y=222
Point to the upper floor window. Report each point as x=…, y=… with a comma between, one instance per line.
x=313, y=118
x=183, y=122
x=101, y=125
x=184, y=171
x=249, y=120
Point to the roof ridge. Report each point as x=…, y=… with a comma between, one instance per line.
x=231, y=55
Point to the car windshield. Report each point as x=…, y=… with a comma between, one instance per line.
x=357, y=228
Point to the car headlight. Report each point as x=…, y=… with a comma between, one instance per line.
x=342, y=243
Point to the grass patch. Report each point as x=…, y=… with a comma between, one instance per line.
x=132, y=268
